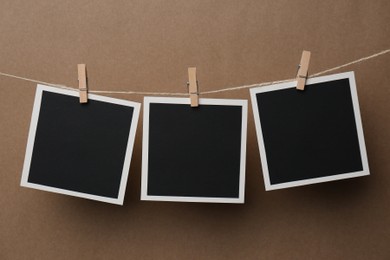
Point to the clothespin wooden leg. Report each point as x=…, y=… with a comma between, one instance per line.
x=83, y=88
x=303, y=70
x=193, y=87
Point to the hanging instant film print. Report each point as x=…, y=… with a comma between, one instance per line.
x=309, y=136
x=194, y=154
x=83, y=150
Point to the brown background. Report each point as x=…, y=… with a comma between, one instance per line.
x=147, y=46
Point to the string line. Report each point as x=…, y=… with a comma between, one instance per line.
x=205, y=92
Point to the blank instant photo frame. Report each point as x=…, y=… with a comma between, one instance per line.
x=309, y=136
x=82, y=150
x=194, y=154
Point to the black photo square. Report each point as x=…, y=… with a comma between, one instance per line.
x=82, y=150
x=309, y=136
x=194, y=154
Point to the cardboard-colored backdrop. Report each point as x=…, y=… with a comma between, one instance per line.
x=147, y=46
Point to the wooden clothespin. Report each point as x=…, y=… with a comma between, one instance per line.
x=303, y=70
x=83, y=88
x=193, y=87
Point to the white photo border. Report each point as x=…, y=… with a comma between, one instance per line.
x=31, y=139
x=145, y=148
x=347, y=75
